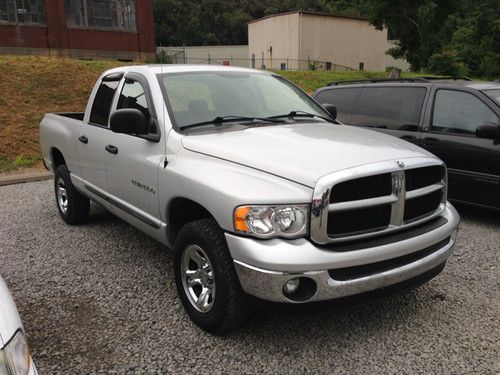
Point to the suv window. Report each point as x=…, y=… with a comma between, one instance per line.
x=99, y=114
x=460, y=112
x=344, y=99
x=396, y=108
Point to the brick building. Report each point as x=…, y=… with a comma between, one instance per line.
x=112, y=29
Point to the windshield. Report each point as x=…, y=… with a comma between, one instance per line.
x=493, y=94
x=203, y=96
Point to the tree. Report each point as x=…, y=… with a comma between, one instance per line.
x=415, y=24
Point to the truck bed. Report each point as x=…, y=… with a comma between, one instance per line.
x=60, y=131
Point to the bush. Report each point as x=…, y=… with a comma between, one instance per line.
x=447, y=63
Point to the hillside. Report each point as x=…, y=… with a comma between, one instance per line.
x=31, y=86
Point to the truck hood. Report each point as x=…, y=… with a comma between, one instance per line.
x=301, y=152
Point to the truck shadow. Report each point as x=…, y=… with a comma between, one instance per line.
x=483, y=215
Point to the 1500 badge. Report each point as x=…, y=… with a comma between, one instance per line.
x=142, y=186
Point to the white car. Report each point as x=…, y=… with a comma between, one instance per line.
x=15, y=357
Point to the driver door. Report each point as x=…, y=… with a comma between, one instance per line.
x=133, y=162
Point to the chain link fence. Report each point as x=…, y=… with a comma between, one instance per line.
x=168, y=55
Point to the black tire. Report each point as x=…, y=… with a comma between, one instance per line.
x=231, y=306
x=75, y=210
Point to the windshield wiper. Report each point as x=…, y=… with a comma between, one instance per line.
x=219, y=120
x=293, y=114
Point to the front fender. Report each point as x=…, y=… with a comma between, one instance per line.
x=220, y=186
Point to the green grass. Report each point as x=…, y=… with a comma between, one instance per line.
x=20, y=162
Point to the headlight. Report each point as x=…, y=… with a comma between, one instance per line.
x=15, y=357
x=288, y=221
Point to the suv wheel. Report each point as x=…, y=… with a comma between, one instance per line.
x=206, y=280
x=72, y=206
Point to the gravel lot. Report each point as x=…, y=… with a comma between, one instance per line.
x=100, y=298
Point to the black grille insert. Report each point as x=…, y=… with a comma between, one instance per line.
x=420, y=177
x=350, y=273
x=362, y=188
x=360, y=220
x=424, y=205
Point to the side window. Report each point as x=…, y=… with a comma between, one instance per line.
x=460, y=112
x=133, y=96
x=99, y=114
x=396, y=108
x=343, y=98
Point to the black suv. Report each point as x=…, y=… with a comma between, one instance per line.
x=456, y=120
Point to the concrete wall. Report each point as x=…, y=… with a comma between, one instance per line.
x=343, y=41
x=280, y=32
x=56, y=38
x=236, y=55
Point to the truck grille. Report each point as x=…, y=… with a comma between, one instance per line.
x=372, y=204
x=362, y=188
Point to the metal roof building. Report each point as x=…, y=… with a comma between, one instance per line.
x=301, y=39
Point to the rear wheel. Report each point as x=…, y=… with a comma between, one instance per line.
x=206, y=279
x=72, y=206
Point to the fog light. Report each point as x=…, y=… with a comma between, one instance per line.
x=291, y=286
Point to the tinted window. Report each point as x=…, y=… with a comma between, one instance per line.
x=493, y=94
x=396, y=108
x=344, y=99
x=99, y=114
x=460, y=112
x=133, y=96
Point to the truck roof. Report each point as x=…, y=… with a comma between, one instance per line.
x=179, y=68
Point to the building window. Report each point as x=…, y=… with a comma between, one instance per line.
x=24, y=12
x=101, y=14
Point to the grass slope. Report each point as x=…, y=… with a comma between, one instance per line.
x=31, y=86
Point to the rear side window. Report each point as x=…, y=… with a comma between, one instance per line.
x=99, y=114
x=395, y=108
x=343, y=98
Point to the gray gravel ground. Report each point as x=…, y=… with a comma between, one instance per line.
x=100, y=298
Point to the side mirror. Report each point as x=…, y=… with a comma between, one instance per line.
x=331, y=109
x=128, y=121
x=488, y=130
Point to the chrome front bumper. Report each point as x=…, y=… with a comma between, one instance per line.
x=263, y=267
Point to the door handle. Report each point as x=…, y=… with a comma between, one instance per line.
x=431, y=141
x=83, y=139
x=111, y=149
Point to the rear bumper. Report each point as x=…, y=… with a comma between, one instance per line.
x=264, y=267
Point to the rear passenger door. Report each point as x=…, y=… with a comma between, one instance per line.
x=394, y=110
x=473, y=163
x=94, y=132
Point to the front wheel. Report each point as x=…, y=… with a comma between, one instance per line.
x=206, y=279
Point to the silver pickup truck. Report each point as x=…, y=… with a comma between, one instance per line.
x=257, y=188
